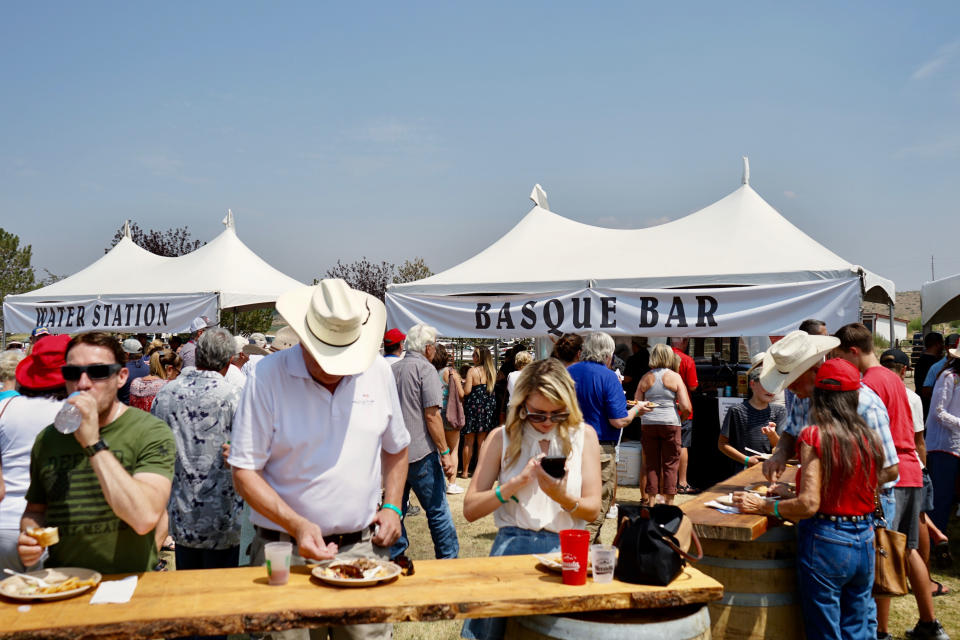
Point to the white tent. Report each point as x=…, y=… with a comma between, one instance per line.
x=940, y=300
x=546, y=256
x=131, y=289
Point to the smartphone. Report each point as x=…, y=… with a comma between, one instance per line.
x=554, y=465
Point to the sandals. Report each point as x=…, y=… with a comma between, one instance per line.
x=940, y=591
x=686, y=489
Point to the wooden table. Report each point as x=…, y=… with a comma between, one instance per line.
x=240, y=600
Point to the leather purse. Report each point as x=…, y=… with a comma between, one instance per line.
x=890, y=547
x=654, y=544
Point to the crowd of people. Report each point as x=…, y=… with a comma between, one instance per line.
x=324, y=433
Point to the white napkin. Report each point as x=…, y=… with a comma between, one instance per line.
x=722, y=508
x=115, y=591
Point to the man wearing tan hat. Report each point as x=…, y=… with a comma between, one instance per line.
x=318, y=432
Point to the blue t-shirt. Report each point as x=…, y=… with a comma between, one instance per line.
x=935, y=370
x=601, y=397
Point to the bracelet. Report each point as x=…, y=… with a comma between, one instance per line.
x=776, y=509
x=394, y=508
x=746, y=462
x=443, y=453
x=571, y=509
x=501, y=498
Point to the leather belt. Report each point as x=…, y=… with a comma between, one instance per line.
x=833, y=518
x=340, y=539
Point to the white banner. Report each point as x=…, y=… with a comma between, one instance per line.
x=767, y=310
x=152, y=313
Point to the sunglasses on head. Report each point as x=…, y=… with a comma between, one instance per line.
x=555, y=418
x=72, y=372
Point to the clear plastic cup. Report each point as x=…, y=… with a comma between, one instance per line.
x=278, y=555
x=603, y=557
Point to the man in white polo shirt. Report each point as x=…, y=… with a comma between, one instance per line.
x=319, y=430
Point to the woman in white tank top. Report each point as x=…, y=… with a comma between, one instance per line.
x=529, y=506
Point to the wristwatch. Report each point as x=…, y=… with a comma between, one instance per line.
x=96, y=448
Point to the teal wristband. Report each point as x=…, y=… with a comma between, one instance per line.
x=443, y=453
x=394, y=508
x=746, y=462
x=776, y=509
x=499, y=495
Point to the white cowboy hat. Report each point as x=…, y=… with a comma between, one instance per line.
x=787, y=359
x=339, y=326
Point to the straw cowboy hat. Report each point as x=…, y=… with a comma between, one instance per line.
x=787, y=359
x=340, y=327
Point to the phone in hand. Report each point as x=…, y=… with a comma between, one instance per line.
x=555, y=466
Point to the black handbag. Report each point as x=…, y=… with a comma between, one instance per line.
x=653, y=544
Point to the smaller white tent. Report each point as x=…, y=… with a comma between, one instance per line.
x=940, y=300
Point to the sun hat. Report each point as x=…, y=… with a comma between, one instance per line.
x=894, y=356
x=41, y=369
x=132, y=345
x=199, y=323
x=254, y=350
x=284, y=339
x=837, y=374
x=339, y=326
x=787, y=359
x=392, y=337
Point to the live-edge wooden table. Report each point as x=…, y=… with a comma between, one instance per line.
x=224, y=601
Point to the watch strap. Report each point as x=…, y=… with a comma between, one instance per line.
x=96, y=448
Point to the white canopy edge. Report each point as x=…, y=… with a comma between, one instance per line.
x=940, y=300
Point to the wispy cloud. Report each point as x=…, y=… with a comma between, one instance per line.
x=946, y=146
x=653, y=222
x=168, y=166
x=393, y=131
x=790, y=194
x=934, y=65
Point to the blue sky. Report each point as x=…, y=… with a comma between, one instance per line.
x=396, y=130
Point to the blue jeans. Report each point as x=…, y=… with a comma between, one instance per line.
x=510, y=541
x=889, y=503
x=835, y=572
x=425, y=477
x=944, y=469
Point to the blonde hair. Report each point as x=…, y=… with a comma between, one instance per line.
x=522, y=359
x=550, y=378
x=486, y=363
x=663, y=357
x=8, y=363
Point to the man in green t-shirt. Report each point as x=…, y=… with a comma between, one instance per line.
x=106, y=485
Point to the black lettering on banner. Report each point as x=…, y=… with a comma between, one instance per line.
x=648, y=312
x=129, y=307
x=80, y=311
x=482, y=317
x=529, y=315
x=41, y=316
x=149, y=312
x=96, y=315
x=139, y=306
x=677, y=313
x=608, y=310
x=551, y=325
x=106, y=314
x=504, y=320
x=70, y=312
x=117, y=318
x=585, y=321
x=162, y=309
x=60, y=312
x=705, y=315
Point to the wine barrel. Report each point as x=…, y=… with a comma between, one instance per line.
x=678, y=623
x=759, y=578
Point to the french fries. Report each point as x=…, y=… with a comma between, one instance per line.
x=69, y=584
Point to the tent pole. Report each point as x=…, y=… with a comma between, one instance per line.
x=892, y=330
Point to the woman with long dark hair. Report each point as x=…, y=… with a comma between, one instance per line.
x=841, y=460
x=479, y=404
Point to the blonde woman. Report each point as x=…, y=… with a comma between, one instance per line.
x=529, y=506
x=479, y=404
x=520, y=360
x=165, y=365
x=660, y=431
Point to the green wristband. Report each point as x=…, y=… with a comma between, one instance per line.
x=776, y=509
x=746, y=462
x=499, y=495
x=443, y=453
x=394, y=508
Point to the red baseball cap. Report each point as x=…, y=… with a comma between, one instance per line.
x=41, y=369
x=836, y=374
x=394, y=336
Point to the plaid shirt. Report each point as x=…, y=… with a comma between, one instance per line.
x=870, y=408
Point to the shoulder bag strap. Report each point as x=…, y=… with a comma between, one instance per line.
x=683, y=554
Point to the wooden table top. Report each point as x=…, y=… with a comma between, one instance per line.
x=714, y=525
x=221, y=601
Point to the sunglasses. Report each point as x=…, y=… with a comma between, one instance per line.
x=555, y=418
x=72, y=372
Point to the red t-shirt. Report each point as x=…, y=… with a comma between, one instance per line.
x=889, y=387
x=851, y=496
x=687, y=371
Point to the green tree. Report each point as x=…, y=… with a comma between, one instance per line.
x=915, y=324
x=364, y=275
x=412, y=270
x=258, y=320
x=16, y=273
x=171, y=243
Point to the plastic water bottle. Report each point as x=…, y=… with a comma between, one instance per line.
x=68, y=419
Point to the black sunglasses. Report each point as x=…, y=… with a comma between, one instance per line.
x=555, y=418
x=72, y=372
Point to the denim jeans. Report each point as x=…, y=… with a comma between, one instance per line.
x=510, y=541
x=944, y=469
x=425, y=477
x=835, y=572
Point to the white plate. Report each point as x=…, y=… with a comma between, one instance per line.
x=13, y=586
x=554, y=562
x=392, y=571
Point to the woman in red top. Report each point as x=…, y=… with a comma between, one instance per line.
x=841, y=458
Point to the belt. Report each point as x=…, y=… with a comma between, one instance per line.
x=833, y=518
x=340, y=539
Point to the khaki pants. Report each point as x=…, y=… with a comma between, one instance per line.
x=608, y=476
x=363, y=549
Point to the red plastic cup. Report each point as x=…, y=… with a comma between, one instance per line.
x=574, y=548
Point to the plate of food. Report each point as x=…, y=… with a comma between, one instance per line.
x=646, y=403
x=554, y=562
x=356, y=572
x=764, y=488
x=62, y=582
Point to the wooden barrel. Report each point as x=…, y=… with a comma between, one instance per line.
x=690, y=622
x=759, y=579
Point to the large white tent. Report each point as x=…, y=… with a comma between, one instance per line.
x=131, y=289
x=739, y=246
x=940, y=300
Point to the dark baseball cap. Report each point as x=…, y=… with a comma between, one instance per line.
x=894, y=356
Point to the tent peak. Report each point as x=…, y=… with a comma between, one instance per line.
x=539, y=197
x=746, y=171
x=228, y=221
x=126, y=229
